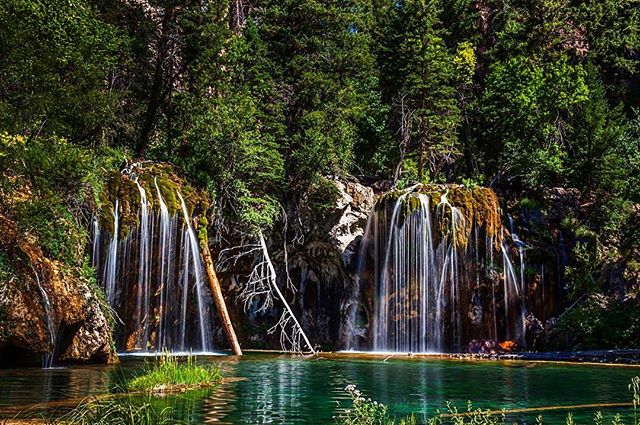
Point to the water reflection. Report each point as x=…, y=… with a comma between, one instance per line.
x=268, y=389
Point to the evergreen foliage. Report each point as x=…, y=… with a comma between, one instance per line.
x=261, y=102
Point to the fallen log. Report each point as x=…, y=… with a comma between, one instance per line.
x=216, y=290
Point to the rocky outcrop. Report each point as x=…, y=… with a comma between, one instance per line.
x=560, y=202
x=321, y=249
x=327, y=263
x=47, y=308
x=353, y=205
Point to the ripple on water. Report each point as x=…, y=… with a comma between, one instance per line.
x=287, y=390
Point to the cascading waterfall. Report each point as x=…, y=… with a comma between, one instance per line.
x=144, y=268
x=430, y=266
x=192, y=243
x=152, y=273
x=109, y=276
x=510, y=291
x=521, y=254
x=47, y=360
x=166, y=251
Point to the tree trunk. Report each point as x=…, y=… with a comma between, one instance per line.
x=421, y=160
x=274, y=285
x=216, y=290
x=156, y=95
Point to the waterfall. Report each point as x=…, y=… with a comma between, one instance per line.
x=152, y=272
x=350, y=329
x=430, y=269
x=47, y=360
x=166, y=252
x=95, y=242
x=192, y=243
x=109, y=276
x=144, y=270
x=511, y=290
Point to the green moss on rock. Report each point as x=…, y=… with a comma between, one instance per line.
x=478, y=206
x=123, y=187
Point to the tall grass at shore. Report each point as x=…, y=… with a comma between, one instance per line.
x=126, y=410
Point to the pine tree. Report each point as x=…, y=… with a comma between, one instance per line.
x=427, y=115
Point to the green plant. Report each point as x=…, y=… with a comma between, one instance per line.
x=474, y=416
x=370, y=412
x=528, y=204
x=118, y=411
x=570, y=420
x=321, y=195
x=167, y=374
x=597, y=322
x=367, y=412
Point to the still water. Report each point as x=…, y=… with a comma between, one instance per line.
x=282, y=389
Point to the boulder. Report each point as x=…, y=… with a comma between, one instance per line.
x=48, y=308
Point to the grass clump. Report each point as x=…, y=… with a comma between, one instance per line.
x=168, y=375
x=118, y=411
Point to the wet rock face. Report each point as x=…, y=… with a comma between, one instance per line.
x=327, y=264
x=47, y=308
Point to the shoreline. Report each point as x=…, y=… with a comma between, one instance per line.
x=619, y=358
x=628, y=358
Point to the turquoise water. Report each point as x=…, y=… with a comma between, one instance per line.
x=294, y=390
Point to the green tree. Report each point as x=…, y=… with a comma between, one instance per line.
x=59, y=70
x=593, y=161
x=326, y=80
x=423, y=70
x=529, y=109
x=230, y=120
x=611, y=32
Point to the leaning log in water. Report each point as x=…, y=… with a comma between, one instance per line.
x=216, y=290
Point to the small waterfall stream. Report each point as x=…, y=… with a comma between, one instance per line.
x=152, y=274
x=192, y=244
x=429, y=266
x=144, y=268
x=166, y=251
x=47, y=359
x=109, y=275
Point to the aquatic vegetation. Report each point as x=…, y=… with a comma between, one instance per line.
x=167, y=374
x=118, y=411
x=365, y=411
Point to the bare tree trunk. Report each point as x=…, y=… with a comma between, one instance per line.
x=421, y=160
x=274, y=285
x=406, y=116
x=216, y=290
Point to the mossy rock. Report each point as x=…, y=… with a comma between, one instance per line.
x=478, y=207
x=123, y=187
